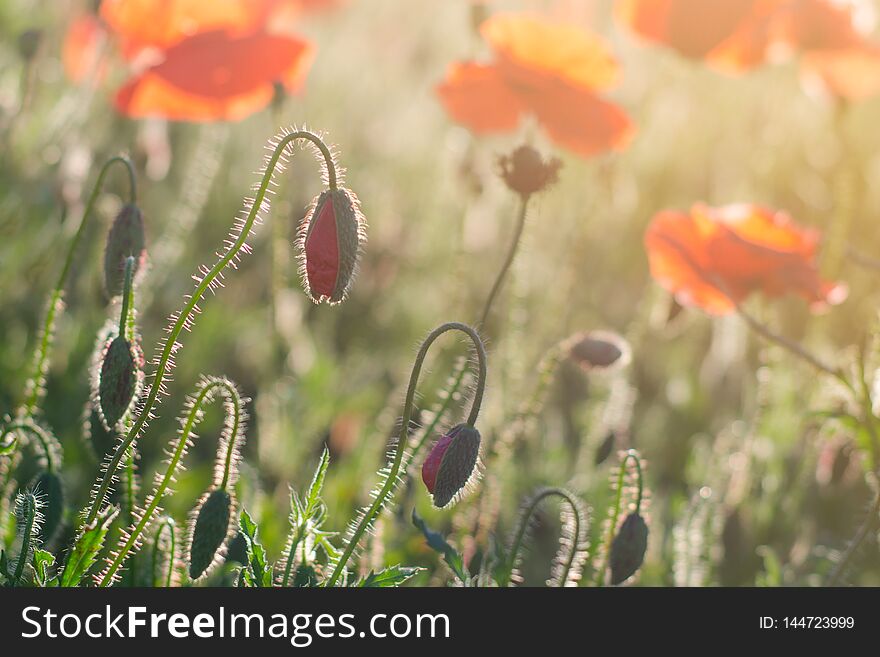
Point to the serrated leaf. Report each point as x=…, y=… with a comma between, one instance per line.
x=388, y=577
x=43, y=559
x=313, y=498
x=88, y=545
x=260, y=570
x=437, y=543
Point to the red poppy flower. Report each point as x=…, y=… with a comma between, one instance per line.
x=552, y=71
x=733, y=32
x=81, y=49
x=216, y=75
x=713, y=258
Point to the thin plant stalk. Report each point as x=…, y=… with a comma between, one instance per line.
x=207, y=280
x=631, y=455
x=382, y=498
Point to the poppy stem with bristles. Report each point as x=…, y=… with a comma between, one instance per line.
x=206, y=281
x=631, y=455
x=381, y=499
x=35, y=385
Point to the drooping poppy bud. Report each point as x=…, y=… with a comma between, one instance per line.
x=209, y=530
x=126, y=238
x=49, y=485
x=330, y=242
x=526, y=172
x=120, y=380
x=598, y=350
x=628, y=548
x=451, y=463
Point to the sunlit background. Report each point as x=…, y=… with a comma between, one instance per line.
x=754, y=474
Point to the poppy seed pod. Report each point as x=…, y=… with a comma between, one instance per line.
x=526, y=172
x=598, y=350
x=126, y=238
x=628, y=548
x=330, y=244
x=119, y=380
x=451, y=463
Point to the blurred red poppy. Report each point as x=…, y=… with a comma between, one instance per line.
x=731, y=30
x=549, y=70
x=81, y=49
x=713, y=258
x=216, y=75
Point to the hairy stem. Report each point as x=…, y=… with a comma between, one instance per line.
x=184, y=318
x=43, y=438
x=28, y=535
x=204, y=395
x=390, y=482
x=508, y=261
x=41, y=356
x=615, y=512
x=523, y=527
x=167, y=523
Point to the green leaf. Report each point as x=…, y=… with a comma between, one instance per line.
x=305, y=576
x=88, y=545
x=437, y=543
x=43, y=559
x=260, y=570
x=389, y=577
x=8, y=443
x=313, y=499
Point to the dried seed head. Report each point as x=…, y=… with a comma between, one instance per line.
x=126, y=238
x=330, y=243
x=29, y=43
x=209, y=531
x=120, y=380
x=451, y=463
x=526, y=172
x=628, y=548
x=48, y=484
x=598, y=350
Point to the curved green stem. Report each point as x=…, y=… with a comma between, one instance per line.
x=618, y=498
x=193, y=417
x=184, y=318
x=29, y=501
x=523, y=526
x=167, y=523
x=41, y=357
x=391, y=480
x=45, y=440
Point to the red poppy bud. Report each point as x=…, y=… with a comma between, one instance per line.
x=126, y=238
x=451, y=463
x=330, y=242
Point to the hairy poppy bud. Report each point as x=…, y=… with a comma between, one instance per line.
x=598, y=350
x=330, y=243
x=126, y=238
x=210, y=529
x=119, y=381
x=526, y=172
x=451, y=463
x=628, y=548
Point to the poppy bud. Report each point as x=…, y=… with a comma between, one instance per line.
x=451, y=463
x=210, y=529
x=119, y=381
x=330, y=241
x=526, y=172
x=126, y=238
x=628, y=548
x=598, y=350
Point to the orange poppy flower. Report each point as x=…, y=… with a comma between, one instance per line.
x=732, y=33
x=835, y=48
x=714, y=258
x=80, y=50
x=549, y=70
x=216, y=75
